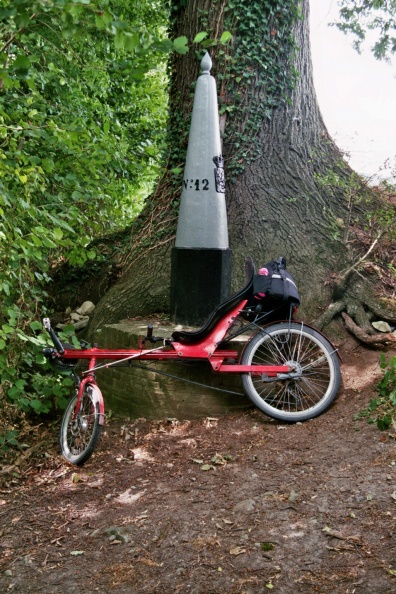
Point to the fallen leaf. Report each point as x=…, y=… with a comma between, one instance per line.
x=76, y=553
x=293, y=496
x=207, y=467
x=218, y=459
x=237, y=551
x=149, y=562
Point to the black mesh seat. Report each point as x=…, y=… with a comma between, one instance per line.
x=221, y=310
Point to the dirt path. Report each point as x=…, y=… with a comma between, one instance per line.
x=238, y=504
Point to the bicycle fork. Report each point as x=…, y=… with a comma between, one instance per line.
x=88, y=380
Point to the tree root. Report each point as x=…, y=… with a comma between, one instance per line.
x=333, y=310
x=374, y=340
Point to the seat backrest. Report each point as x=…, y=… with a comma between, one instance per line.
x=196, y=336
x=250, y=270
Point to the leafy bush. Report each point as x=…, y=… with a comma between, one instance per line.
x=82, y=122
x=387, y=392
x=381, y=410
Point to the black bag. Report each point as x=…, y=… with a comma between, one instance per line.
x=277, y=287
x=273, y=290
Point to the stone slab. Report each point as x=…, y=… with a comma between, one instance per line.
x=138, y=392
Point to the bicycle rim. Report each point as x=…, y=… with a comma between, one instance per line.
x=80, y=432
x=316, y=380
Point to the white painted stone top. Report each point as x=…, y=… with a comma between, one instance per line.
x=202, y=216
x=206, y=64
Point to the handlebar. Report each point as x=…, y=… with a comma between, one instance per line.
x=54, y=336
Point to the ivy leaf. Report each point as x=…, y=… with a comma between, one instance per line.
x=225, y=38
x=200, y=37
x=180, y=45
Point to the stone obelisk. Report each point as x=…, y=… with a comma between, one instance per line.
x=201, y=258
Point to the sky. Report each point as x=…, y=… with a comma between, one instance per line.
x=356, y=94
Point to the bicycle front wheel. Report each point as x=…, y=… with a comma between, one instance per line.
x=313, y=385
x=80, y=432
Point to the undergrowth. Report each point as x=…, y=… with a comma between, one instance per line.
x=381, y=410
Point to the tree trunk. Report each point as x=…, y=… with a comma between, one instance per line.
x=278, y=156
x=276, y=207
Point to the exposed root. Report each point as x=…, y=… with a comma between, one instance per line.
x=374, y=340
x=326, y=317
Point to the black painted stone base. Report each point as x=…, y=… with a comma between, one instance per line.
x=200, y=280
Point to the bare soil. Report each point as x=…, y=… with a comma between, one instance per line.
x=234, y=504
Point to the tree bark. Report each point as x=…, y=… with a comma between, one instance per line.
x=276, y=205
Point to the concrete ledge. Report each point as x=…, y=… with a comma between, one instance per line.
x=137, y=392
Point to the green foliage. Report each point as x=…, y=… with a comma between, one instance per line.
x=360, y=16
x=387, y=387
x=82, y=119
x=381, y=410
x=8, y=440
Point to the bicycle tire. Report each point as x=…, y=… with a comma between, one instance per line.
x=315, y=384
x=79, y=436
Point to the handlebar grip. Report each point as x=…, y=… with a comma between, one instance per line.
x=149, y=331
x=55, y=338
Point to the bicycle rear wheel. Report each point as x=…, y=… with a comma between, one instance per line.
x=80, y=433
x=306, y=393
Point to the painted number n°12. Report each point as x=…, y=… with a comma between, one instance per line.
x=196, y=184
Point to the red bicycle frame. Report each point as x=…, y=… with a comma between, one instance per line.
x=176, y=351
x=221, y=361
